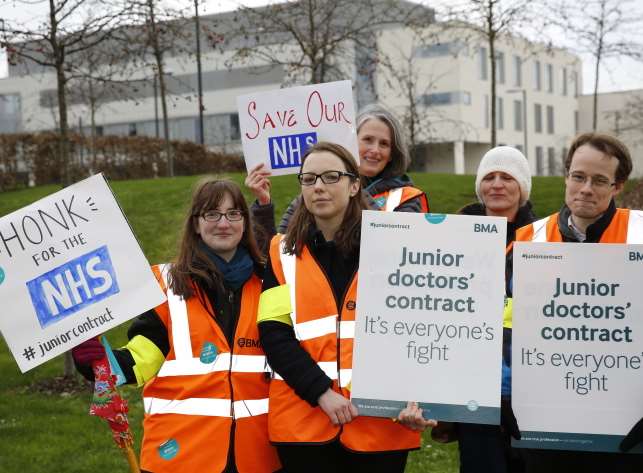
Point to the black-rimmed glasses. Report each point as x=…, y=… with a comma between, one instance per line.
x=327, y=177
x=233, y=215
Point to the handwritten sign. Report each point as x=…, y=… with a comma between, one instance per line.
x=277, y=127
x=429, y=316
x=577, y=330
x=72, y=269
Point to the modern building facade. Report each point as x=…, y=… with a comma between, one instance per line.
x=619, y=114
x=537, y=96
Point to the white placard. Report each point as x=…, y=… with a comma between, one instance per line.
x=278, y=126
x=429, y=316
x=577, y=344
x=70, y=269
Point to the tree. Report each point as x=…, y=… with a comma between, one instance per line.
x=315, y=40
x=603, y=29
x=490, y=21
x=72, y=26
x=163, y=31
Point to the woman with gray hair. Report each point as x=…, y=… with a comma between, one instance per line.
x=384, y=159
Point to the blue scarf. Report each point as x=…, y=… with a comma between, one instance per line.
x=236, y=271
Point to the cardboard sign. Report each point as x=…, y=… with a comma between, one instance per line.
x=277, y=127
x=70, y=269
x=577, y=344
x=429, y=316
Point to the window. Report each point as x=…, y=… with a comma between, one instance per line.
x=131, y=129
x=500, y=67
x=10, y=113
x=439, y=49
x=576, y=129
x=486, y=111
x=550, y=119
x=563, y=158
x=538, y=118
x=575, y=81
x=540, y=161
x=482, y=62
x=537, y=76
x=500, y=113
x=517, y=115
x=551, y=161
x=446, y=98
x=549, y=78
x=517, y=71
x=564, y=80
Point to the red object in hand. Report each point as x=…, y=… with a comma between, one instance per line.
x=87, y=352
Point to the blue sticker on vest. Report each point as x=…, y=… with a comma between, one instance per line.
x=380, y=201
x=435, y=218
x=1, y=275
x=208, y=353
x=168, y=449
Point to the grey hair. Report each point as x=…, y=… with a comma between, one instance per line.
x=400, y=158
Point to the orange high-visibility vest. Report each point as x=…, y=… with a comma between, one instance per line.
x=204, y=387
x=324, y=331
x=626, y=227
x=392, y=199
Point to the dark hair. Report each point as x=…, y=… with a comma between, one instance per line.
x=400, y=158
x=607, y=144
x=192, y=262
x=348, y=235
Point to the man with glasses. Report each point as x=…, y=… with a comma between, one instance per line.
x=597, y=167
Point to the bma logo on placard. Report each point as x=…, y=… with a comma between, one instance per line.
x=635, y=256
x=72, y=286
x=287, y=151
x=484, y=228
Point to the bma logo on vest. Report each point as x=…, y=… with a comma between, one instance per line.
x=287, y=151
x=72, y=286
x=485, y=228
x=635, y=256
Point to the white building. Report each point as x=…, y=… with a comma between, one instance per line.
x=452, y=91
x=619, y=114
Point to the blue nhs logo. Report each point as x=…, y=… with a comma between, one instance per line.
x=287, y=151
x=76, y=284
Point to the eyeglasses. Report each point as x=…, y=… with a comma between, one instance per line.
x=597, y=182
x=327, y=177
x=233, y=215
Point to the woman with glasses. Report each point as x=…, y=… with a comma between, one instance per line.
x=306, y=324
x=198, y=355
x=384, y=159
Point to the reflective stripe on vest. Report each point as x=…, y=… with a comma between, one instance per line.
x=206, y=407
x=184, y=363
x=318, y=327
x=330, y=369
x=393, y=199
x=540, y=230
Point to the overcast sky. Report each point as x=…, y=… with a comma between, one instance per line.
x=616, y=74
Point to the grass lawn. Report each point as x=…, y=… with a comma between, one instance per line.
x=41, y=432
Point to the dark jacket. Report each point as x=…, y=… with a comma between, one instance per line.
x=285, y=354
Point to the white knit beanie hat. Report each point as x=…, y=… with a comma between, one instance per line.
x=510, y=161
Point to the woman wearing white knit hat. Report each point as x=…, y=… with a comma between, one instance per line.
x=503, y=185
